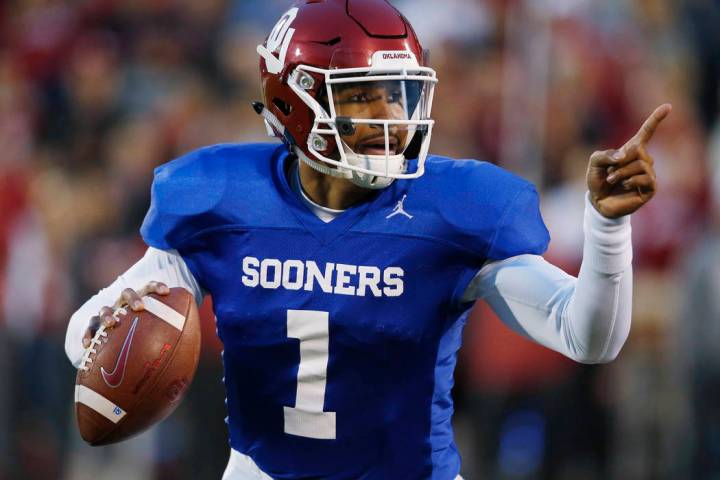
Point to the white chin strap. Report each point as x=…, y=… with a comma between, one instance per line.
x=364, y=180
x=377, y=163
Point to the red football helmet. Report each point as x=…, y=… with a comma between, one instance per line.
x=324, y=55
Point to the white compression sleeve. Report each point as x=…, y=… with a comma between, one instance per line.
x=586, y=318
x=167, y=267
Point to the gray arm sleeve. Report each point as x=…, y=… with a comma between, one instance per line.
x=585, y=318
x=163, y=266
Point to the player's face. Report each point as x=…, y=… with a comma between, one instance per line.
x=377, y=101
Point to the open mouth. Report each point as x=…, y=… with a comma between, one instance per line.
x=376, y=146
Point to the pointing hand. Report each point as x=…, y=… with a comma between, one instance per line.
x=621, y=181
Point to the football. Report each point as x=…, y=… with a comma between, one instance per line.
x=135, y=374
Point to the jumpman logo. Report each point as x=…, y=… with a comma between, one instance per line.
x=400, y=210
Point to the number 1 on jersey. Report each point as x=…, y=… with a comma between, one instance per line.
x=307, y=418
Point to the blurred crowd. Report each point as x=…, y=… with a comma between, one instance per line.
x=94, y=94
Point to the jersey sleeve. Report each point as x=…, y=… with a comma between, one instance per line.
x=185, y=197
x=520, y=229
x=490, y=212
x=487, y=212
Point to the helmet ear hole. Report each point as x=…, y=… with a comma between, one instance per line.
x=284, y=107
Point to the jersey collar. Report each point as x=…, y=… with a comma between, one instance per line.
x=326, y=233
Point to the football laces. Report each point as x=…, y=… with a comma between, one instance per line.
x=99, y=338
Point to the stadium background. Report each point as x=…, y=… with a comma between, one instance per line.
x=95, y=93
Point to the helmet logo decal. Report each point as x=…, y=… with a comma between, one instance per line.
x=278, y=42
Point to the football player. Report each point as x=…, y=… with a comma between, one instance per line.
x=342, y=263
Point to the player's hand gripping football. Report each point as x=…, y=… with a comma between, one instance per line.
x=621, y=181
x=129, y=298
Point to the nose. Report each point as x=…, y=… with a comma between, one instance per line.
x=383, y=109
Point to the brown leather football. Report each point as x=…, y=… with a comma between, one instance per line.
x=135, y=374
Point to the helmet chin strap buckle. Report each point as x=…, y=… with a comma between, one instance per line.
x=345, y=126
x=371, y=182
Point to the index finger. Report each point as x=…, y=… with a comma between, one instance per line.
x=131, y=298
x=647, y=130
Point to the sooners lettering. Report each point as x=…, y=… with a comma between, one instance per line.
x=335, y=278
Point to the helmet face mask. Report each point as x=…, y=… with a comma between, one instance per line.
x=366, y=107
x=385, y=107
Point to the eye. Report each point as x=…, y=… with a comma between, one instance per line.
x=394, y=96
x=358, y=98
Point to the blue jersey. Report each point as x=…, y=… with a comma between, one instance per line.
x=340, y=338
